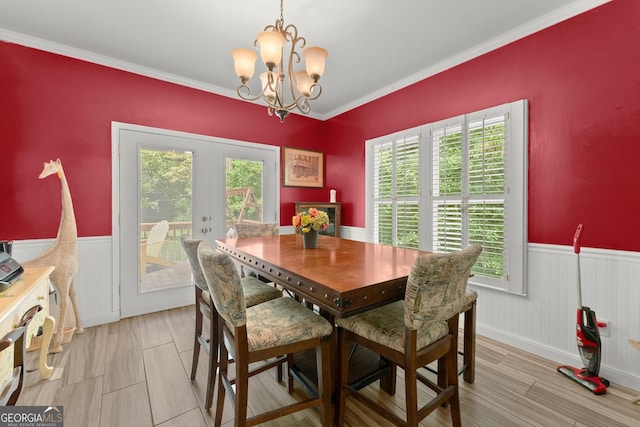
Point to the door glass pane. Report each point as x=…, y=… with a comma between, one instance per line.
x=244, y=191
x=165, y=216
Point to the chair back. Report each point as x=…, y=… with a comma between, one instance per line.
x=157, y=234
x=190, y=247
x=224, y=285
x=437, y=285
x=251, y=229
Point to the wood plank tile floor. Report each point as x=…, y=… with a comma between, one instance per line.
x=135, y=372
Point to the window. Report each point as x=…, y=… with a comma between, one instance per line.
x=446, y=185
x=396, y=187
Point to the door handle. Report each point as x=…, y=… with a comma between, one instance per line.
x=206, y=229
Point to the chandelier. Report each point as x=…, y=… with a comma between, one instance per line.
x=283, y=89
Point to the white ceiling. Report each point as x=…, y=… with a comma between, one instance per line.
x=375, y=46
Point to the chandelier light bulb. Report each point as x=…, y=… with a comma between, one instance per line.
x=244, y=62
x=268, y=84
x=270, y=44
x=304, y=83
x=315, y=58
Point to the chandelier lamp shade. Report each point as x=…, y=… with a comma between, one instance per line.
x=282, y=88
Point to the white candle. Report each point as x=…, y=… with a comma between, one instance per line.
x=333, y=196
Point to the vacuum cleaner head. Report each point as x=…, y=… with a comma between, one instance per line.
x=588, y=338
x=597, y=385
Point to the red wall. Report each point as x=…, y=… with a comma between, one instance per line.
x=53, y=106
x=582, y=80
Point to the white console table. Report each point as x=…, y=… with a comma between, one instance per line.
x=32, y=289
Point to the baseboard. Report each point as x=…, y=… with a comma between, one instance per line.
x=614, y=375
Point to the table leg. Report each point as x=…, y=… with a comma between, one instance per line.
x=47, y=334
x=388, y=382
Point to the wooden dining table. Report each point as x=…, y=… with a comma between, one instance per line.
x=342, y=277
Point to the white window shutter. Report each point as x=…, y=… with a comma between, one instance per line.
x=474, y=171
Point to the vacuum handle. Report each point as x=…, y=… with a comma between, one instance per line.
x=576, y=239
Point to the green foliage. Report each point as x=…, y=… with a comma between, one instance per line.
x=165, y=185
x=244, y=174
x=485, y=176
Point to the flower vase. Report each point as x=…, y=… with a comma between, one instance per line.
x=310, y=239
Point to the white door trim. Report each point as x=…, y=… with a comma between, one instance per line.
x=116, y=128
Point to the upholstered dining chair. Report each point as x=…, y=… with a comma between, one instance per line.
x=255, y=229
x=255, y=292
x=421, y=329
x=265, y=331
x=12, y=387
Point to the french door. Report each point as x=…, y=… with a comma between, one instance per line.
x=172, y=185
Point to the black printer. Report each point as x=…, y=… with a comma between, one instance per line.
x=10, y=271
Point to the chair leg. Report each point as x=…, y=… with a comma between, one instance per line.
x=214, y=350
x=443, y=375
x=289, y=373
x=451, y=363
x=468, y=369
x=469, y=358
x=20, y=356
x=452, y=380
x=224, y=369
x=196, y=339
x=242, y=392
x=343, y=375
x=411, y=378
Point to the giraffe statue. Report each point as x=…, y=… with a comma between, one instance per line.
x=63, y=255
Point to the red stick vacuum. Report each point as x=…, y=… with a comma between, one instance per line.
x=588, y=337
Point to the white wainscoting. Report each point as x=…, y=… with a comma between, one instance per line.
x=96, y=289
x=542, y=322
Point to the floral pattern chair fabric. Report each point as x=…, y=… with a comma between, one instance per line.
x=190, y=247
x=414, y=332
x=437, y=286
x=250, y=229
x=256, y=292
x=274, y=328
x=431, y=298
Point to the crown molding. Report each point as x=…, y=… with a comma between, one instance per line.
x=531, y=27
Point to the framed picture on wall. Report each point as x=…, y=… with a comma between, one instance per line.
x=302, y=168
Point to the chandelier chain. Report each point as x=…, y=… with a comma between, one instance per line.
x=282, y=11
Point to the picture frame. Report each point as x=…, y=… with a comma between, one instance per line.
x=302, y=168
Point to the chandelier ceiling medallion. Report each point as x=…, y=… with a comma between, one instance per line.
x=283, y=89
